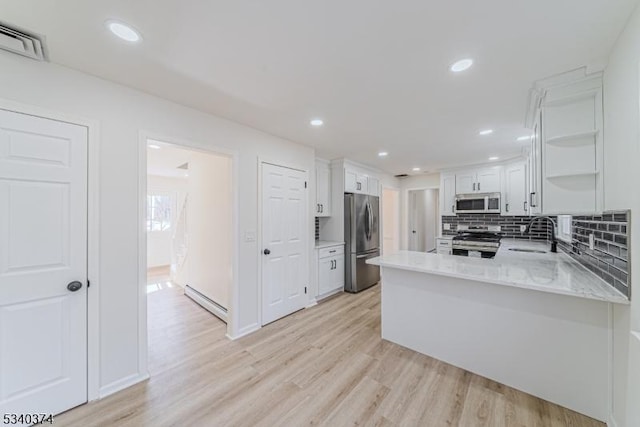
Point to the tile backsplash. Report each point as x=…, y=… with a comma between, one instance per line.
x=510, y=225
x=609, y=259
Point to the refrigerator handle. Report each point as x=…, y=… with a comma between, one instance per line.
x=367, y=212
x=370, y=221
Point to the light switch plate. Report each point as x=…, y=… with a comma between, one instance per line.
x=250, y=236
x=446, y=226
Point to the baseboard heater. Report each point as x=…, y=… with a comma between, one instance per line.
x=207, y=303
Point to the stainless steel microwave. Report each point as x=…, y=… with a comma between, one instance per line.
x=478, y=203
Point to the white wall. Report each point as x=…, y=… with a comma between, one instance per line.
x=122, y=113
x=159, y=250
x=621, y=173
x=209, y=226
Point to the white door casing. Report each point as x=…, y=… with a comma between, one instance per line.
x=43, y=248
x=284, y=249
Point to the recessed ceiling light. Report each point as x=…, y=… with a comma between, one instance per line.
x=383, y=154
x=463, y=64
x=494, y=158
x=416, y=169
x=123, y=31
x=486, y=132
x=316, y=122
x=154, y=146
x=525, y=138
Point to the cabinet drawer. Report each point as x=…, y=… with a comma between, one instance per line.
x=330, y=251
x=444, y=243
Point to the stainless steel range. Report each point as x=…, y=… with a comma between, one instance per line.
x=478, y=241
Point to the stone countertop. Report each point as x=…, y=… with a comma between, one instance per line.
x=547, y=272
x=321, y=244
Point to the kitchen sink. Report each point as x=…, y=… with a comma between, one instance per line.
x=530, y=251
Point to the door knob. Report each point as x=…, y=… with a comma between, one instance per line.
x=266, y=252
x=74, y=286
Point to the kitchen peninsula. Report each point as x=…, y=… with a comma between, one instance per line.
x=538, y=322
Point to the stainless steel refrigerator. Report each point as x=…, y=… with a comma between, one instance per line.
x=362, y=239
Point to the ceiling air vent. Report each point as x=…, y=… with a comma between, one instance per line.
x=185, y=166
x=19, y=42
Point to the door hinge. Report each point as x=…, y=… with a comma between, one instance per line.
x=305, y=184
x=88, y=283
x=305, y=289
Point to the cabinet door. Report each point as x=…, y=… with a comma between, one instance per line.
x=325, y=275
x=338, y=273
x=515, y=195
x=362, y=182
x=350, y=181
x=323, y=191
x=488, y=180
x=374, y=186
x=535, y=178
x=465, y=182
x=447, y=195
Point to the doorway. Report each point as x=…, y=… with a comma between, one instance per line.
x=390, y=220
x=423, y=219
x=189, y=223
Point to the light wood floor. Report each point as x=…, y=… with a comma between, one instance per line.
x=321, y=366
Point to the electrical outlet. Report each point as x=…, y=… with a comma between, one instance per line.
x=592, y=242
x=523, y=228
x=446, y=226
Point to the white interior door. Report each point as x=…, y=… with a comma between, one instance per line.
x=417, y=220
x=284, y=240
x=43, y=248
x=390, y=221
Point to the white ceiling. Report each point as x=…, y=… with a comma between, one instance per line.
x=376, y=71
x=165, y=160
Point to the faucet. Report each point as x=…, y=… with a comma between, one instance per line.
x=554, y=242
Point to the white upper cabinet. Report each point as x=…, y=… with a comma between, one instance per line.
x=361, y=183
x=447, y=194
x=535, y=167
x=515, y=196
x=485, y=180
x=465, y=182
x=572, y=148
x=488, y=180
x=323, y=189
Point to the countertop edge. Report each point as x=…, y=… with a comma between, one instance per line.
x=621, y=300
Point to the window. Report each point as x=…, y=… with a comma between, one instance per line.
x=564, y=227
x=159, y=212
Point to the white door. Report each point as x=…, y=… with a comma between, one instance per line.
x=284, y=240
x=43, y=248
x=417, y=206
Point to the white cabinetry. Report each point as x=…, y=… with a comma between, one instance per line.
x=535, y=167
x=323, y=189
x=361, y=183
x=330, y=270
x=572, y=148
x=447, y=194
x=486, y=180
x=515, y=195
x=444, y=246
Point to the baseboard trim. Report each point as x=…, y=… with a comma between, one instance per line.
x=245, y=331
x=324, y=297
x=121, y=384
x=208, y=304
x=612, y=421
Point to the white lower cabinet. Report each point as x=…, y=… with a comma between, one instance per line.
x=444, y=246
x=330, y=269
